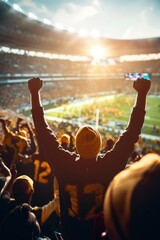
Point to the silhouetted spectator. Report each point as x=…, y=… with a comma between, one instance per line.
x=84, y=177
x=20, y=223
x=109, y=145
x=13, y=145
x=20, y=190
x=131, y=206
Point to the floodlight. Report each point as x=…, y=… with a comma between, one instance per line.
x=16, y=7
x=83, y=33
x=31, y=15
x=95, y=33
x=71, y=29
x=59, y=26
x=98, y=52
x=46, y=21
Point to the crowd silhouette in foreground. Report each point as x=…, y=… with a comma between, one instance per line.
x=70, y=186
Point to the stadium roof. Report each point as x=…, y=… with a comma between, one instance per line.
x=17, y=30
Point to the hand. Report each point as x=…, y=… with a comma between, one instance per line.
x=35, y=84
x=142, y=86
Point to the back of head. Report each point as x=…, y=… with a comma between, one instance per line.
x=131, y=205
x=109, y=143
x=20, y=224
x=88, y=142
x=23, y=188
x=65, y=138
x=23, y=132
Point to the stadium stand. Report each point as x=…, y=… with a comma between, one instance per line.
x=39, y=36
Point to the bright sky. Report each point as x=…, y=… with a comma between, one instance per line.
x=121, y=19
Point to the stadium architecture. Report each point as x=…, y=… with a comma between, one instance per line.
x=25, y=36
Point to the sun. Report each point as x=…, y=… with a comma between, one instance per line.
x=98, y=52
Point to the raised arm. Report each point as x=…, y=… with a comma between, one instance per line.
x=123, y=147
x=34, y=86
x=5, y=173
x=4, y=125
x=142, y=87
x=7, y=190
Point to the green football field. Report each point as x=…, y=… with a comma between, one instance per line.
x=109, y=110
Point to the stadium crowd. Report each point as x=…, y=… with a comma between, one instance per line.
x=11, y=96
x=11, y=93
x=34, y=203
x=23, y=64
x=100, y=77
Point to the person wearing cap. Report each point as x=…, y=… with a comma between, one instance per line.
x=131, y=205
x=83, y=176
x=67, y=141
x=20, y=190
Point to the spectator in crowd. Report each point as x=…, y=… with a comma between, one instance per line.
x=67, y=141
x=26, y=130
x=83, y=177
x=131, y=205
x=40, y=171
x=33, y=164
x=20, y=141
x=20, y=190
x=109, y=145
x=20, y=223
x=13, y=143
